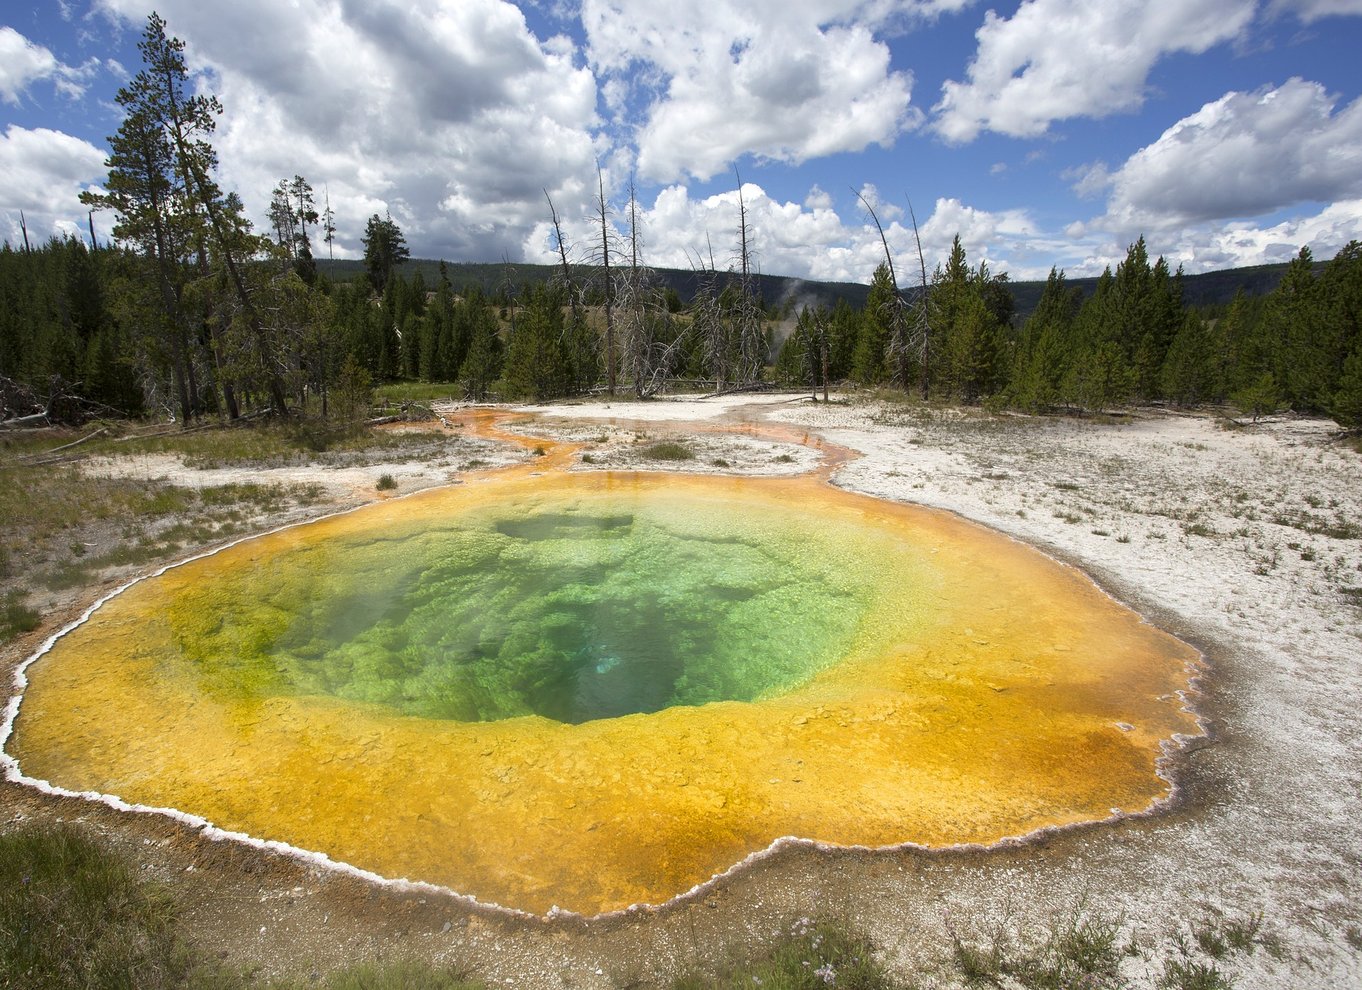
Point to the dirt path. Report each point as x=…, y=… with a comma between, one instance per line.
x=1243, y=542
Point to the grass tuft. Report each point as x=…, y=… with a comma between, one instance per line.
x=1184, y=974
x=668, y=450
x=16, y=617
x=73, y=914
x=812, y=955
x=398, y=976
x=386, y=483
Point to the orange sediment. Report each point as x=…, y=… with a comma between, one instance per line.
x=988, y=692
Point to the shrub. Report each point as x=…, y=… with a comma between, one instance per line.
x=668, y=450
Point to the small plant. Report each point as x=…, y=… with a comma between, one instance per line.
x=73, y=914
x=539, y=450
x=812, y=955
x=1183, y=974
x=1079, y=951
x=784, y=459
x=16, y=617
x=588, y=459
x=668, y=450
x=386, y=483
x=719, y=462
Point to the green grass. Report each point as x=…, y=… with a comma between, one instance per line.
x=386, y=483
x=75, y=914
x=1185, y=974
x=813, y=955
x=424, y=392
x=72, y=914
x=668, y=450
x=1079, y=950
x=396, y=976
x=16, y=617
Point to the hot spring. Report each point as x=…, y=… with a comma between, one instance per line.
x=593, y=690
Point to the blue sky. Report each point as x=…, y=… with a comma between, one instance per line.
x=1047, y=132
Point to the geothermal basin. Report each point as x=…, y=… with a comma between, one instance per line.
x=591, y=690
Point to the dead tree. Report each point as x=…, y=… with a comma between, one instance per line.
x=569, y=283
x=602, y=216
x=746, y=312
x=899, y=351
x=920, y=336
x=707, y=318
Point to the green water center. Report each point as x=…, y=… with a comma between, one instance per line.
x=571, y=609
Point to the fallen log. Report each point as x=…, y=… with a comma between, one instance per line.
x=74, y=443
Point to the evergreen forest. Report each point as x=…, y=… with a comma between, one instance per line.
x=192, y=313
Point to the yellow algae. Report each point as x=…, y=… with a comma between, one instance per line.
x=975, y=689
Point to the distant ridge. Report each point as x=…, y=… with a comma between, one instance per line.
x=783, y=292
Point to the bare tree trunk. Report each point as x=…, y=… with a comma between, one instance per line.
x=899, y=351
x=562, y=254
x=922, y=328
x=603, y=214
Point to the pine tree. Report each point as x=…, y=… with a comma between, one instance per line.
x=1293, y=322
x=385, y=248
x=536, y=360
x=482, y=366
x=872, y=340
x=1045, y=350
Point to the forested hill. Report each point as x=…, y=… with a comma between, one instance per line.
x=1206, y=289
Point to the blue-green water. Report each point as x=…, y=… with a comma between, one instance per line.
x=573, y=609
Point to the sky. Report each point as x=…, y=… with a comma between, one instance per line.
x=1044, y=133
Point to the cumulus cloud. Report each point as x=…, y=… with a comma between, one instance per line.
x=1236, y=245
x=42, y=172
x=1310, y=11
x=23, y=63
x=1243, y=155
x=454, y=117
x=808, y=240
x=1056, y=59
x=1205, y=247
x=718, y=79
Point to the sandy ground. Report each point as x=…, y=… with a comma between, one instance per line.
x=1244, y=542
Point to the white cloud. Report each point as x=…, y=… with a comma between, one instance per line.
x=453, y=116
x=1237, y=245
x=21, y=63
x=718, y=79
x=42, y=172
x=1205, y=247
x=1310, y=11
x=1243, y=155
x=1058, y=59
x=805, y=241
x=818, y=199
